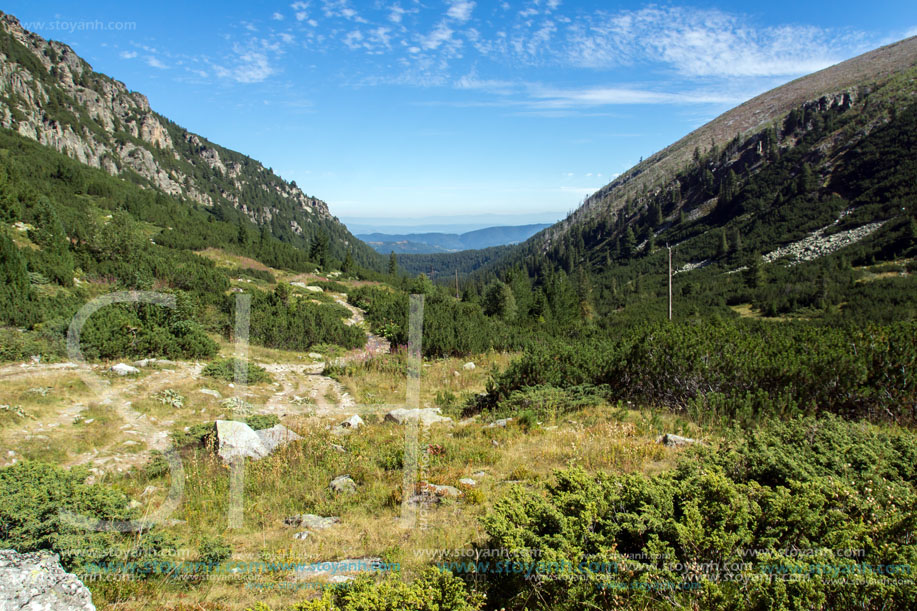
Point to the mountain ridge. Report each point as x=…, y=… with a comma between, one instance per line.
x=51, y=95
x=439, y=242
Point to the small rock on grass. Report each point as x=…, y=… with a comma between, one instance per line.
x=343, y=484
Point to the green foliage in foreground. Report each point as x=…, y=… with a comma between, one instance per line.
x=718, y=371
x=434, y=590
x=225, y=369
x=767, y=521
x=46, y=507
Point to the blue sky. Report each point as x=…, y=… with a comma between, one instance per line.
x=439, y=108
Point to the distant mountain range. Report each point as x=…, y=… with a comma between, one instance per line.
x=429, y=243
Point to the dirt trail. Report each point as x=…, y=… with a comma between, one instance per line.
x=301, y=390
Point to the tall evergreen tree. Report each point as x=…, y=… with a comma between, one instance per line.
x=49, y=234
x=392, y=264
x=14, y=282
x=628, y=243
x=319, y=249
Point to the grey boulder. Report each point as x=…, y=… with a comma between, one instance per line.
x=36, y=582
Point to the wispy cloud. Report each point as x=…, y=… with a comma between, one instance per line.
x=128, y=54
x=703, y=43
x=153, y=62
x=460, y=10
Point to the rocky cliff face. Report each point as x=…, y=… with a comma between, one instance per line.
x=51, y=95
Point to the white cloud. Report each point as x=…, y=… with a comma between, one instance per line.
x=396, y=14
x=354, y=39
x=277, y=17
x=441, y=34
x=461, y=10
x=300, y=10
x=153, y=62
x=702, y=43
x=128, y=54
x=546, y=98
x=251, y=63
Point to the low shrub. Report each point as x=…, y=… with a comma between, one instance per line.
x=225, y=369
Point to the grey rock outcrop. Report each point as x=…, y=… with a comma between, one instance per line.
x=97, y=121
x=238, y=440
x=37, y=582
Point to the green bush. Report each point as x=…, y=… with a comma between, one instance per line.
x=225, y=369
x=262, y=421
x=213, y=550
x=720, y=370
x=37, y=500
x=724, y=529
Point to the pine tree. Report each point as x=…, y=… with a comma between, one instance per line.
x=754, y=274
x=14, y=282
x=348, y=265
x=319, y=250
x=392, y=264
x=50, y=235
x=722, y=248
x=628, y=243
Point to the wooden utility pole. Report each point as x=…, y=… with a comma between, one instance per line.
x=669, y=248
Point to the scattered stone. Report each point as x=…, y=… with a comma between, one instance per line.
x=37, y=581
x=675, y=440
x=314, y=289
x=312, y=521
x=469, y=366
x=338, y=448
x=276, y=436
x=343, y=484
x=151, y=362
x=123, y=369
x=426, y=417
x=351, y=424
x=315, y=355
x=431, y=494
x=467, y=481
x=303, y=535
x=213, y=393
x=479, y=474
x=501, y=423
x=298, y=284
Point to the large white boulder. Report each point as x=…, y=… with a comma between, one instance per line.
x=123, y=369
x=276, y=436
x=238, y=440
x=37, y=582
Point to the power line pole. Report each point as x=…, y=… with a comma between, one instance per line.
x=669, y=248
